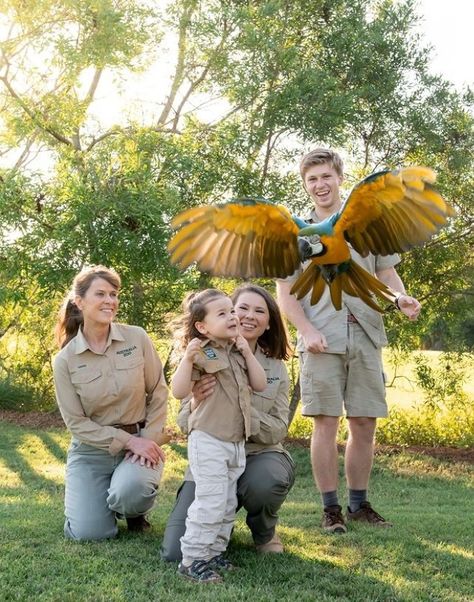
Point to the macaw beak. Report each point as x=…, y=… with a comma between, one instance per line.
x=309, y=246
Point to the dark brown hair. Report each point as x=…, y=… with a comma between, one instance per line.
x=274, y=341
x=319, y=156
x=194, y=310
x=70, y=316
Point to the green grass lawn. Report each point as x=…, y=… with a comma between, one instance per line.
x=428, y=554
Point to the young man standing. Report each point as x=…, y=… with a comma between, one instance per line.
x=341, y=360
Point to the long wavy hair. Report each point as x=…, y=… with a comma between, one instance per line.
x=70, y=317
x=274, y=341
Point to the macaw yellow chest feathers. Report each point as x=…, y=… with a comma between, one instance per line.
x=336, y=250
x=387, y=212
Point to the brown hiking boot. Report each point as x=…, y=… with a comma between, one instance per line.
x=332, y=520
x=274, y=546
x=138, y=524
x=367, y=514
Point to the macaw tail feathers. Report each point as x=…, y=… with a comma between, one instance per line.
x=347, y=277
x=364, y=285
x=310, y=280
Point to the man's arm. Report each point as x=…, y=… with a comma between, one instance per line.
x=314, y=340
x=406, y=304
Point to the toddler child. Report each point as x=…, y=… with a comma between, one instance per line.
x=218, y=426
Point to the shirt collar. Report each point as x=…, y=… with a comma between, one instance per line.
x=205, y=342
x=312, y=217
x=82, y=344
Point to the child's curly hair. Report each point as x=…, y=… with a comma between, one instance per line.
x=194, y=310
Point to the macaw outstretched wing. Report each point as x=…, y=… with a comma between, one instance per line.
x=247, y=239
x=393, y=211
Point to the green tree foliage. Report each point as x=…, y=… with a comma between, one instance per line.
x=284, y=75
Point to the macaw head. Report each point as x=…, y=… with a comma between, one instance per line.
x=310, y=246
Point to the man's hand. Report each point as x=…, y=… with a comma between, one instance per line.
x=409, y=306
x=314, y=340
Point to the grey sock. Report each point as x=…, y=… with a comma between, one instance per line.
x=329, y=498
x=356, y=497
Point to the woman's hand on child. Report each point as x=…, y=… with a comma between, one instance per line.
x=203, y=388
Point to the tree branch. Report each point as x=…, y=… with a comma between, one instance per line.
x=25, y=152
x=93, y=87
x=196, y=83
x=271, y=142
x=179, y=70
x=35, y=116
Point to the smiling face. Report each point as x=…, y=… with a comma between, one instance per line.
x=99, y=304
x=220, y=322
x=322, y=183
x=253, y=314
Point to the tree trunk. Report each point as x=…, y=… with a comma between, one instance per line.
x=295, y=398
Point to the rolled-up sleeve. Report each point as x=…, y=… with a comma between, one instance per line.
x=183, y=415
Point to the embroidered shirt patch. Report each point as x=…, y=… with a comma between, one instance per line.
x=210, y=353
x=126, y=352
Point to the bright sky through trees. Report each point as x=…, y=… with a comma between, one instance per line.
x=446, y=26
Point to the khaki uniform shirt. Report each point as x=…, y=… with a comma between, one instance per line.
x=124, y=385
x=269, y=409
x=226, y=413
x=333, y=323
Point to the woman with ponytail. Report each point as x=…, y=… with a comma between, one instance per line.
x=112, y=396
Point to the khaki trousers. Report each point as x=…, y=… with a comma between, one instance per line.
x=261, y=490
x=100, y=487
x=216, y=466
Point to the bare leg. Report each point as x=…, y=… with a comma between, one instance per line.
x=324, y=452
x=360, y=452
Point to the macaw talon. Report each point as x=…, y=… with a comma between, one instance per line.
x=309, y=246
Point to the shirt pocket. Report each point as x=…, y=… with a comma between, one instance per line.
x=130, y=374
x=372, y=317
x=89, y=386
x=264, y=400
x=212, y=366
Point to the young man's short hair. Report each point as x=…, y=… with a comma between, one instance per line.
x=319, y=156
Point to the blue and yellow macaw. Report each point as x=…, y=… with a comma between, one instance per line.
x=387, y=212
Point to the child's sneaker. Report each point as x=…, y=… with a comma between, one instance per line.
x=219, y=563
x=199, y=572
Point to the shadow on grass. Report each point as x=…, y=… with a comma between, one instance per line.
x=427, y=555
x=13, y=439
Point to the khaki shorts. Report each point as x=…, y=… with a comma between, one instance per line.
x=351, y=381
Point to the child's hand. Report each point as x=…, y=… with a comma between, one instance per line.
x=192, y=350
x=242, y=345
